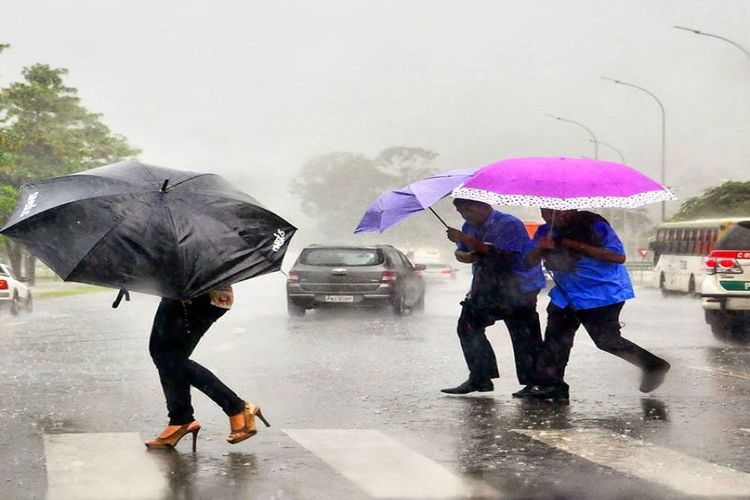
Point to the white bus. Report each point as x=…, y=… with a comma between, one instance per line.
x=680, y=250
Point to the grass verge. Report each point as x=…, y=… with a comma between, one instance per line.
x=68, y=291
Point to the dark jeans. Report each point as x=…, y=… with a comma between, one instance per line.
x=177, y=329
x=602, y=324
x=525, y=334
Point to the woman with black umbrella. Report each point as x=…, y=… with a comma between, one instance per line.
x=178, y=327
x=144, y=228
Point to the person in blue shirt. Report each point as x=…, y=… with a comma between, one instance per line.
x=586, y=259
x=503, y=288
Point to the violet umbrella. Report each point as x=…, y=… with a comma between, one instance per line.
x=393, y=206
x=562, y=184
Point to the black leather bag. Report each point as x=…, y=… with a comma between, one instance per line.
x=495, y=287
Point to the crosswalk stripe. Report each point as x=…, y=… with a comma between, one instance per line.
x=100, y=465
x=385, y=468
x=726, y=373
x=675, y=470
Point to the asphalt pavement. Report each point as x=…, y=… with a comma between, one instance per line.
x=356, y=412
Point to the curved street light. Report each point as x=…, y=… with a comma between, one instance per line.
x=663, y=131
x=622, y=157
x=593, y=137
x=698, y=32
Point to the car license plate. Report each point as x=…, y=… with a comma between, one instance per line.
x=339, y=298
x=735, y=286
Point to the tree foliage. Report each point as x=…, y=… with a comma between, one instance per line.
x=407, y=164
x=729, y=199
x=45, y=131
x=336, y=188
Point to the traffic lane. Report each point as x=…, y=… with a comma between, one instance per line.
x=403, y=397
x=77, y=371
x=605, y=388
x=605, y=392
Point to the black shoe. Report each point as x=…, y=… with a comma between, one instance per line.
x=549, y=392
x=524, y=393
x=470, y=386
x=654, y=378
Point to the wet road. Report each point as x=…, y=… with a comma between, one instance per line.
x=356, y=412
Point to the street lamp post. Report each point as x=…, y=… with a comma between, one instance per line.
x=663, y=132
x=626, y=239
x=703, y=33
x=619, y=153
x=593, y=137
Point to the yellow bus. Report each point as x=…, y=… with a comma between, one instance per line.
x=680, y=250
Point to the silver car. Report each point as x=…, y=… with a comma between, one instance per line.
x=366, y=276
x=439, y=271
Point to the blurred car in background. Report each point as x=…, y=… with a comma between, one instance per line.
x=424, y=255
x=725, y=293
x=351, y=276
x=14, y=294
x=438, y=272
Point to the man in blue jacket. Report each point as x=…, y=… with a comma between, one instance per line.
x=503, y=288
x=591, y=285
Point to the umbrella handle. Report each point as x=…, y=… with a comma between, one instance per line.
x=122, y=293
x=441, y=220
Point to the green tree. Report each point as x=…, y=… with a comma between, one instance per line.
x=729, y=199
x=45, y=131
x=405, y=164
x=336, y=188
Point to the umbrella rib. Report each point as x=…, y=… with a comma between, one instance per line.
x=72, y=178
x=55, y=207
x=95, y=246
x=227, y=225
x=177, y=241
x=183, y=181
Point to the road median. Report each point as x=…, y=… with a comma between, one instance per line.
x=53, y=289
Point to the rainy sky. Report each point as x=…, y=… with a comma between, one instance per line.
x=252, y=89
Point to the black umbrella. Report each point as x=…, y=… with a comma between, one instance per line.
x=148, y=229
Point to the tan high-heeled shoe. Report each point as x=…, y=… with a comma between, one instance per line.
x=247, y=429
x=170, y=439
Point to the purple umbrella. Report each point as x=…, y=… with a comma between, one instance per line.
x=393, y=206
x=562, y=184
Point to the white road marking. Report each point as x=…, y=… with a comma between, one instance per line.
x=385, y=468
x=239, y=330
x=14, y=323
x=744, y=430
x=96, y=466
x=224, y=347
x=714, y=371
x=675, y=470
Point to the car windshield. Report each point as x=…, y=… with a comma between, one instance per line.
x=341, y=257
x=737, y=238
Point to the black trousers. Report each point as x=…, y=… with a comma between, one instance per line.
x=525, y=335
x=177, y=329
x=602, y=324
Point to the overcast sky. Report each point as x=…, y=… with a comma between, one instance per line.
x=252, y=89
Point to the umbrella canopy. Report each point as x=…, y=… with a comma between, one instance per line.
x=562, y=184
x=148, y=229
x=393, y=206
